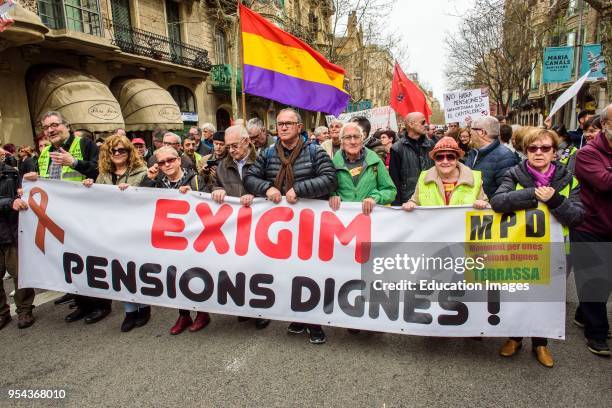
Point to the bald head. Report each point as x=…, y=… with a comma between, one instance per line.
x=415, y=124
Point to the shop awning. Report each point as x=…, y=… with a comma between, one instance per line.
x=146, y=105
x=27, y=28
x=85, y=102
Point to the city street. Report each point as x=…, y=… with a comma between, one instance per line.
x=231, y=364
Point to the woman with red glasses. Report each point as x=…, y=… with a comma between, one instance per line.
x=539, y=180
x=120, y=164
x=449, y=182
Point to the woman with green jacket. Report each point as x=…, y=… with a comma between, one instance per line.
x=362, y=175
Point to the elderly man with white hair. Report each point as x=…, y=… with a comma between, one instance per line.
x=321, y=134
x=258, y=134
x=332, y=145
x=206, y=143
x=490, y=157
x=362, y=175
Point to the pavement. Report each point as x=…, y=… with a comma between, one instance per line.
x=230, y=364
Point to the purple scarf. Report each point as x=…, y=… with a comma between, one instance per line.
x=541, y=179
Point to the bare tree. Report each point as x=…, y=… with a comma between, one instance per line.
x=497, y=47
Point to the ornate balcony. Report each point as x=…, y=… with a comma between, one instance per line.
x=158, y=47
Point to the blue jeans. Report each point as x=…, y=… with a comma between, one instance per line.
x=133, y=307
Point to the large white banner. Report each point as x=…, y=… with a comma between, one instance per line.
x=382, y=118
x=465, y=106
x=299, y=262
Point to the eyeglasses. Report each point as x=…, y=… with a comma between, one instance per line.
x=543, y=148
x=352, y=137
x=233, y=145
x=119, y=151
x=171, y=144
x=162, y=163
x=449, y=157
x=51, y=126
x=286, y=124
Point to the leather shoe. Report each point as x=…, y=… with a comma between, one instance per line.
x=96, y=316
x=201, y=321
x=4, y=319
x=510, y=348
x=78, y=314
x=544, y=356
x=25, y=320
x=261, y=323
x=242, y=319
x=181, y=324
x=143, y=316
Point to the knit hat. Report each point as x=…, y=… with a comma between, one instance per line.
x=219, y=136
x=446, y=144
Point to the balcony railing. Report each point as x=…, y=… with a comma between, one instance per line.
x=158, y=47
x=222, y=78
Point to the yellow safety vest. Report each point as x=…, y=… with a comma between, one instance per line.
x=68, y=173
x=429, y=193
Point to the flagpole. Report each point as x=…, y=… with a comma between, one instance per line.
x=244, y=116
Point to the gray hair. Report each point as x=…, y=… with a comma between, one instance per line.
x=336, y=121
x=320, y=130
x=298, y=117
x=197, y=129
x=255, y=123
x=353, y=125
x=48, y=114
x=209, y=126
x=166, y=149
x=489, y=124
x=241, y=130
x=177, y=137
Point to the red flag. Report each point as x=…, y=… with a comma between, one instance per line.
x=406, y=97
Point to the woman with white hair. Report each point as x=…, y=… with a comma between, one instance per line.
x=361, y=174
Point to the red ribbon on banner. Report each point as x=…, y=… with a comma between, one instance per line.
x=44, y=222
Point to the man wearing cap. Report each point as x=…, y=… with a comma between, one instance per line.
x=141, y=148
x=210, y=161
x=490, y=157
x=449, y=182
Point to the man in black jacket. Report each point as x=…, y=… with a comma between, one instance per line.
x=10, y=204
x=295, y=169
x=410, y=156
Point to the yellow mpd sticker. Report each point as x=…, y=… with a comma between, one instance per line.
x=515, y=246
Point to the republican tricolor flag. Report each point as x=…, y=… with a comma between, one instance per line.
x=280, y=67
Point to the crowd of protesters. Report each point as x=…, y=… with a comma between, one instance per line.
x=488, y=164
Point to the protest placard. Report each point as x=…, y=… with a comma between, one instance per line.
x=465, y=106
x=380, y=118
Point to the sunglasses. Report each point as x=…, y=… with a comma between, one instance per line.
x=543, y=148
x=119, y=150
x=162, y=163
x=449, y=157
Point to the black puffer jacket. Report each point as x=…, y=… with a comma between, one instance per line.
x=408, y=158
x=314, y=174
x=9, y=183
x=568, y=211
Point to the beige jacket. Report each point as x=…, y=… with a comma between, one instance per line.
x=328, y=147
x=465, y=177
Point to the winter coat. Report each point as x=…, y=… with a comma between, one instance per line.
x=313, y=172
x=493, y=161
x=9, y=183
x=133, y=177
x=374, y=181
x=568, y=211
x=409, y=158
x=466, y=177
x=227, y=176
x=192, y=180
x=89, y=165
x=594, y=171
